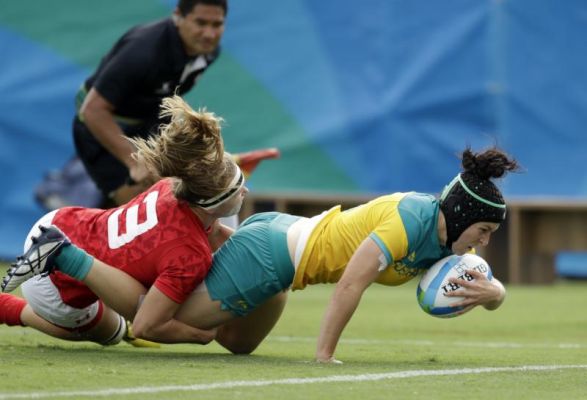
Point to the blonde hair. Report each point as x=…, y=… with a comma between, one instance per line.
x=190, y=149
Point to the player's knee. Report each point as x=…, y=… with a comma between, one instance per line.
x=235, y=343
x=140, y=331
x=117, y=335
x=239, y=347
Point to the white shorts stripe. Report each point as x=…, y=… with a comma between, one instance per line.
x=43, y=297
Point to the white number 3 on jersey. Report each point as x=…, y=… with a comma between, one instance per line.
x=133, y=228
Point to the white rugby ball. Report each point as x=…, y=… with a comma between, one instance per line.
x=435, y=283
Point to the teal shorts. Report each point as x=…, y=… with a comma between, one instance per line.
x=254, y=263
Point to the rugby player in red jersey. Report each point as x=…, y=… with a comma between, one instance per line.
x=160, y=238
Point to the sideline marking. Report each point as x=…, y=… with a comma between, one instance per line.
x=288, y=381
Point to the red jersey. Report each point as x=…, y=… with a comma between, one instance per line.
x=154, y=238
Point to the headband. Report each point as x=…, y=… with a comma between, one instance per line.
x=234, y=187
x=462, y=207
x=458, y=178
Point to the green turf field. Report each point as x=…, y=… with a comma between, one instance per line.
x=534, y=347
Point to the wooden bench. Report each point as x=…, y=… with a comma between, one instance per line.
x=522, y=251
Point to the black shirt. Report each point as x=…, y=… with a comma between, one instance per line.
x=145, y=65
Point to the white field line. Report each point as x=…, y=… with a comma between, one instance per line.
x=377, y=342
x=287, y=381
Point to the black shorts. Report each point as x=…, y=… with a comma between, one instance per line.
x=105, y=170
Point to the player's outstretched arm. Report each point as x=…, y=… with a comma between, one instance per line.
x=361, y=271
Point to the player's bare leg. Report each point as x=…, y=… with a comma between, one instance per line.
x=200, y=311
x=243, y=335
x=109, y=330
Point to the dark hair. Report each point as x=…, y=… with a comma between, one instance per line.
x=186, y=6
x=472, y=197
x=491, y=163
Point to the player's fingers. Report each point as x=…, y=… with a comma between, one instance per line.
x=454, y=293
x=476, y=274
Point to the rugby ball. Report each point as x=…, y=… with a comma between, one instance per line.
x=435, y=283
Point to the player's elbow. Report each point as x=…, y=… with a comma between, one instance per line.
x=94, y=109
x=89, y=112
x=144, y=330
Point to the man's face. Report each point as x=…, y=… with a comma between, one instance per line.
x=201, y=29
x=477, y=234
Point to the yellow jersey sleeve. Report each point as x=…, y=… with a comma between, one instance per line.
x=388, y=228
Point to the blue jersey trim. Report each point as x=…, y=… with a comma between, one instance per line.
x=382, y=247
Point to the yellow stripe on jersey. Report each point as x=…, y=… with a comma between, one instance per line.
x=338, y=235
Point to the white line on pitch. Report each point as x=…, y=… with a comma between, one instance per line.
x=495, y=345
x=288, y=381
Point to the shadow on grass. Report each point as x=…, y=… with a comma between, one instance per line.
x=167, y=353
x=87, y=354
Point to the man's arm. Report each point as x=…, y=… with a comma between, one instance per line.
x=97, y=114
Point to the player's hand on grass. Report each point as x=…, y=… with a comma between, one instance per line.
x=327, y=360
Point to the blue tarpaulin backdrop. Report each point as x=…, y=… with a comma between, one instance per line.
x=369, y=97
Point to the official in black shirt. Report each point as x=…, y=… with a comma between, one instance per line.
x=122, y=97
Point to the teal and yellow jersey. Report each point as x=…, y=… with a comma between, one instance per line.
x=403, y=225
